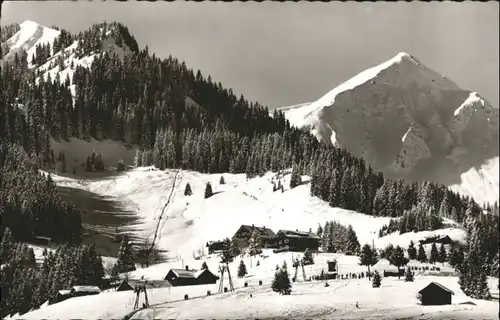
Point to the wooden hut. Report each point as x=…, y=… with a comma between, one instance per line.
x=186, y=277
x=80, y=291
x=215, y=246
x=63, y=295
x=287, y=240
x=435, y=294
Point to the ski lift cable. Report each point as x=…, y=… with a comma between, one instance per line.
x=162, y=212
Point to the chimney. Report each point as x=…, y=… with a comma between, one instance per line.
x=253, y=227
x=187, y=268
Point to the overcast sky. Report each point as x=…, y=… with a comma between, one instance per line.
x=287, y=53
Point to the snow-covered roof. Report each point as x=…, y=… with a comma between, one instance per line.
x=183, y=273
x=64, y=292
x=262, y=231
x=438, y=285
x=86, y=289
x=188, y=274
x=298, y=234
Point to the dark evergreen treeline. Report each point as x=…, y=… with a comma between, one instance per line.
x=6, y=32
x=25, y=287
x=346, y=182
x=29, y=202
x=481, y=257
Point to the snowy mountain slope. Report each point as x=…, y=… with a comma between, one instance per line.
x=191, y=221
x=28, y=37
x=409, y=122
x=32, y=34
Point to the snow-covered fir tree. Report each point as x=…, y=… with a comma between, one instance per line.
x=208, y=190
x=187, y=190
x=125, y=261
x=242, y=269
x=421, y=256
x=412, y=251
x=281, y=282
x=398, y=259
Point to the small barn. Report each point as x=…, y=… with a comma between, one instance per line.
x=244, y=233
x=63, y=295
x=436, y=239
x=186, y=277
x=80, y=291
x=435, y=294
x=124, y=286
x=287, y=240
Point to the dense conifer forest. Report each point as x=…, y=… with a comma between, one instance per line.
x=181, y=119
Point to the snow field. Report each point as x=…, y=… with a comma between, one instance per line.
x=394, y=299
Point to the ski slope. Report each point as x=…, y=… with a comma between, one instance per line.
x=191, y=221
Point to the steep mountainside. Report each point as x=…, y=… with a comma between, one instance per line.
x=410, y=122
x=30, y=35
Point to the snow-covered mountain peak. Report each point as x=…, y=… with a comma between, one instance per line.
x=28, y=37
x=406, y=120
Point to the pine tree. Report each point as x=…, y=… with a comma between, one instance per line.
x=387, y=251
x=434, y=254
x=319, y=232
x=222, y=181
x=208, y=191
x=456, y=257
x=281, y=282
x=125, y=261
x=398, y=258
x=352, y=242
x=242, y=269
x=377, y=279
x=442, y=254
x=412, y=251
x=308, y=258
x=368, y=257
x=421, y=256
x=204, y=266
x=295, y=179
x=409, y=275
x=187, y=190
x=7, y=245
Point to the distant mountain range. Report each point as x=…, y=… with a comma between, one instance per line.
x=410, y=122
